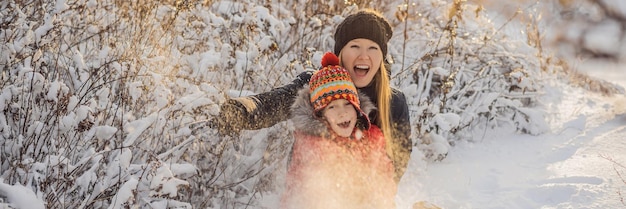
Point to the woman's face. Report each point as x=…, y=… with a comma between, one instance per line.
x=362, y=58
x=341, y=117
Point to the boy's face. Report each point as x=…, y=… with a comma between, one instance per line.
x=341, y=116
x=362, y=58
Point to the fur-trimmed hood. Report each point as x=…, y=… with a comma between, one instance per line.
x=306, y=122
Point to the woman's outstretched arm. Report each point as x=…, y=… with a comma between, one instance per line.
x=260, y=111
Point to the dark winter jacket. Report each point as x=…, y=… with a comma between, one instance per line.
x=268, y=108
x=328, y=171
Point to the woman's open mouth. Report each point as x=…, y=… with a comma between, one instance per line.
x=361, y=70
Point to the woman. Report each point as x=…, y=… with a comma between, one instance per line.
x=361, y=43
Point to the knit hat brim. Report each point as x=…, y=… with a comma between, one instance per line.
x=364, y=24
x=363, y=120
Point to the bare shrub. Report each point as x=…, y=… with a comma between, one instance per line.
x=76, y=114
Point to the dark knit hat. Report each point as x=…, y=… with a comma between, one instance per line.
x=366, y=24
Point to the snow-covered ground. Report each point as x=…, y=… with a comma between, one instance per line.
x=580, y=164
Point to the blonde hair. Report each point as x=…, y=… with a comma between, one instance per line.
x=383, y=89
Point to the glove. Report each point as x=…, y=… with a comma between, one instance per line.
x=229, y=118
x=303, y=78
x=328, y=59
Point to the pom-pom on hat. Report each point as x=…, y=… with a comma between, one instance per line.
x=333, y=82
x=367, y=24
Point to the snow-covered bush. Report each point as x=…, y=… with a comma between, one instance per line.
x=75, y=104
x=101, y=101
x=465, y=77
x=108, y=104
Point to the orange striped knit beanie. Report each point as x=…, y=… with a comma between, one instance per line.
x=333, y=82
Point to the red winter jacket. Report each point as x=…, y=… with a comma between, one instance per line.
x=327, y=171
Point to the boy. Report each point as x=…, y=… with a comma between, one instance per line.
x=338, y=159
